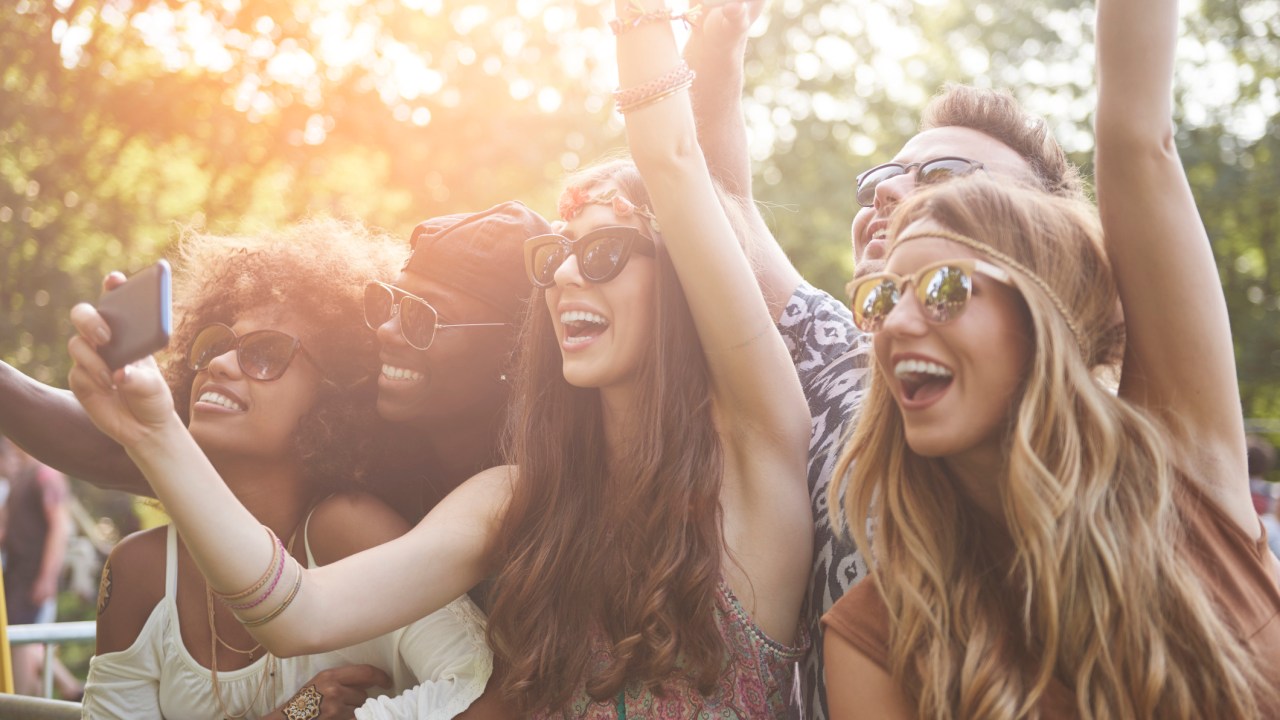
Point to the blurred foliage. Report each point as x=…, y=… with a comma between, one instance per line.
x=123, y=121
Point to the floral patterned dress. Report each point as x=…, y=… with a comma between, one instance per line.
x=757, y=682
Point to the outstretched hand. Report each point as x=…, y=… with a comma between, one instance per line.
x=718, y=44
x=333, y=694
x=129, y=404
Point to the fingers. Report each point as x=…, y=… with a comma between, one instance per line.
x=360, y=676
x=113, y=280
x=90, y=324
x=89, y=372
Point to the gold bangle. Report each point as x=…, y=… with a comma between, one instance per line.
x=276, y=548
x=274, y=613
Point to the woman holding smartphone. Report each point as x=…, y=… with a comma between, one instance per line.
x=269, y=370
x=651, y=539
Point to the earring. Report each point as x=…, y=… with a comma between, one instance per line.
x=502, y=378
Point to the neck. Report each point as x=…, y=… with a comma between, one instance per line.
x=275, y=491
x=618, y=404
x=979, y=472
x=458, y=449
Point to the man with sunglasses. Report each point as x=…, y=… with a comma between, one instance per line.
x=963, y=130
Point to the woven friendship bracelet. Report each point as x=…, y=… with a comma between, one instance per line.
x=678, y=78
x=277, y=548
x=266, y=594
x=288, y=600
x=654, y=99
x=634, y=16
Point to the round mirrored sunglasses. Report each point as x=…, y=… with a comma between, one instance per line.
x=943, y=290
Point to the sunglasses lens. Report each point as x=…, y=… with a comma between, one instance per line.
x=872, y=302
x=603, y=258
x=210, y=342
x=868, y=183
x=265, y=355
x=543, y=261
x=944, y=293
x=417, y=322
x=944, y=169
x=377, y=305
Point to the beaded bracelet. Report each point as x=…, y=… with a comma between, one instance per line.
x=634, y=16
x=277, y=549
x=678, y=78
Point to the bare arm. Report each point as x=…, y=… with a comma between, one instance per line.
x=1160, y=254
x=858, y=688
x=53, y=428
x=352, y=600
x=715, y=52
x=761, y=412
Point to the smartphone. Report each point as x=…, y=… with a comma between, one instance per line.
x=138, y=314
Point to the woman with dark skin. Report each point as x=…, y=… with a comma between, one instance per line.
x=282, y=404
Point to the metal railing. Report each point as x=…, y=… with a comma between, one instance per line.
x=51, y=635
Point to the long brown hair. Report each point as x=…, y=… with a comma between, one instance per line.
x=626, y=549
x=1082, y=580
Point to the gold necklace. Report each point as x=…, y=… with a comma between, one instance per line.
x=268, y=669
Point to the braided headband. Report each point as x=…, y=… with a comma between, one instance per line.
x=996, y=254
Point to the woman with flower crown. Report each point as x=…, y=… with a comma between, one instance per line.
x=651, y=536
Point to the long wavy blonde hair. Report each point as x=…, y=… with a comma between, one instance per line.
x=1082, y=581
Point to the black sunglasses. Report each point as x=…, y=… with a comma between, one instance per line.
x=930, y=172
x=601, y=253
x=262, y=354
x=418, y=319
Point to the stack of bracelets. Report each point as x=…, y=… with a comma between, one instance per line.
x=656, y=90
x=266, y=586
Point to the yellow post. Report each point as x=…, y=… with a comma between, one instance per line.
x=6, y=659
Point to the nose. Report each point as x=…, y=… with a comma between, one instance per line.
x=226, y=365
x=890, y=192
x=906, y=318
x=569, y=274
x=389, y=331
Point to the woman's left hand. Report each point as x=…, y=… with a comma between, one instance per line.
x=130, y=404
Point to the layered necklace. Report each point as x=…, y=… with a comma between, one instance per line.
x=268, y=668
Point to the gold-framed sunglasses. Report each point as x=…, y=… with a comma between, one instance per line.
x=943, y=290
x=419, y=320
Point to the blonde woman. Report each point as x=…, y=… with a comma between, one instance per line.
x=1042, y=547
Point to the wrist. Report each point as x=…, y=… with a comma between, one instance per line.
x=160, y=442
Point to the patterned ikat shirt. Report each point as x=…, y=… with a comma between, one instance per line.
x=833, y=360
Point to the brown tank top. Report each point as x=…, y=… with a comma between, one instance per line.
x=1241, y=574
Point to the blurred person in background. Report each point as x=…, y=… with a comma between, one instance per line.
x=35, y=536
x=1266, y=495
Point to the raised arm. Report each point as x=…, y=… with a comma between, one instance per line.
x=352, y=600
x=52, y=427
x=1160, y=253
x=715, y=52
x=761, y=412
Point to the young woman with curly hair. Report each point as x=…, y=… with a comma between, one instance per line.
x=271, y=371
x=651, y=539
x=1044, y=546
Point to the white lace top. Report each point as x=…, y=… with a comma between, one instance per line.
x=440, y=663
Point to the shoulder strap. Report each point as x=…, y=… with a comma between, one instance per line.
x=171, y=563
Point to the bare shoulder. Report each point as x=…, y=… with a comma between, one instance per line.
x=859, y=688
x=132, y=584
x=347, y=523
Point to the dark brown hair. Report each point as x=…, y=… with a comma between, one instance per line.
x=622, y=549
x=316, y=271
x=998, y=114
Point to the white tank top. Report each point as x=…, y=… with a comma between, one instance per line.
x=442, y=661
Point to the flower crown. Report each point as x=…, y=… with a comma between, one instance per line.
x=573, y=199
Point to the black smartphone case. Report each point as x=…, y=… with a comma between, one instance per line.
x=138, y=315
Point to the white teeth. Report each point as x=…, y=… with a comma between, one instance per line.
x=582, y=316
x=395, y=373
x=220, y=400
x=920, y=367
x=880, y=234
